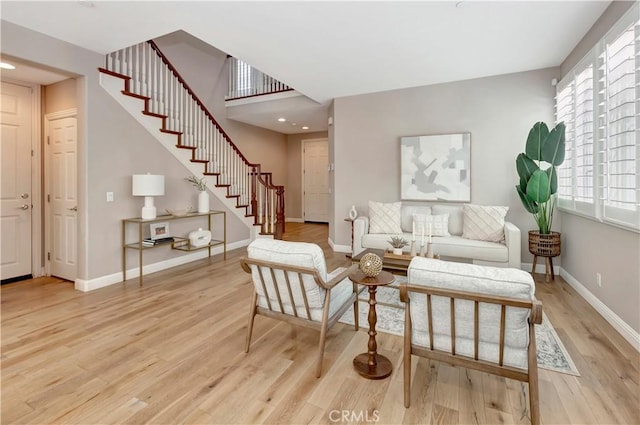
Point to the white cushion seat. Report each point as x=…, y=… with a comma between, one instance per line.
x=451, y=246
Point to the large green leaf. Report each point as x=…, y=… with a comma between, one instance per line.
x=538, y=134
x=525, y=166
x=523, y=185
x=538, y=187
x=553, y=146
x=529, y=205
x=552, y=173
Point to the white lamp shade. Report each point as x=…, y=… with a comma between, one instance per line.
x=148, y=185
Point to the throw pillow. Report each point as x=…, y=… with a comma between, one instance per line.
x=384, y=218
x=455, y=216
x=439, y=225
x=407, y=212
x=483, y=223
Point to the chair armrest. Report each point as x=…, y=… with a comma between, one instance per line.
x=360, y=228
x=536, y=312
x=513, y=242
x=342, y=276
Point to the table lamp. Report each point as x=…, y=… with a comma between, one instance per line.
x=148, y=185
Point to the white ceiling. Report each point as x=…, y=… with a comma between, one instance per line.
x=333, y=49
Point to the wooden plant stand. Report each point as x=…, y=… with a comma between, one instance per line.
x=547, y=246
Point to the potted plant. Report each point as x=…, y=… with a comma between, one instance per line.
x=397, y=243
x=203, y=196
x=538, y=185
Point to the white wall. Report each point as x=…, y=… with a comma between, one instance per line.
x=497, y=111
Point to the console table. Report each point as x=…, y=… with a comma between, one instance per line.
x=181, y=244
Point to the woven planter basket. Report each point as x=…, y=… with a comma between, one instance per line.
x=544, y=245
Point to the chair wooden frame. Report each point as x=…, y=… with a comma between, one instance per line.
x=277, y=311
x=530, y=375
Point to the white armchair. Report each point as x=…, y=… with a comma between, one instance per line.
x=472, y=316
x=291, y=284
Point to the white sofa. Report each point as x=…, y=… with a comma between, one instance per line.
x=506, y=254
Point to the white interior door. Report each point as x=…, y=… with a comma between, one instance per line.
x=62, y=196
x=316, y=180
x=15, y=193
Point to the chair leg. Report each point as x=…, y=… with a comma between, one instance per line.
x=252, y=315
x=323, y=337
x=534, y=400
x=407, y=356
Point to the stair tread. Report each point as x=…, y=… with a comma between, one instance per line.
x=170, y=131
x=210, y=174
x=114, y=74
x=153, y=114
x=201, y=161
x=136, y=95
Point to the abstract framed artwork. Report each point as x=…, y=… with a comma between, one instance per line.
x=436, y=168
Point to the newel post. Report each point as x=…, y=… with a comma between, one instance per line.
x=254, y=190
x=280, y=212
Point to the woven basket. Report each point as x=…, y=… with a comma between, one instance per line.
x=544, y=245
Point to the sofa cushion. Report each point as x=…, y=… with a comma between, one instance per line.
x=455, y=217
x=484, y=223
x=406, y=216
x=452, y=246
x=384, y=218
x=438, y=224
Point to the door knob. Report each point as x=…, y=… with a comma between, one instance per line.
x=24, y=207
x=73, y=209
x=24, y=195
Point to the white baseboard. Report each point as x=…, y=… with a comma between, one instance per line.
x=293, y=220
x=339, y=248
x=540, y=268
x=614, y=320
x=102, y=281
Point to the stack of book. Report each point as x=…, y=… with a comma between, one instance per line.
x=153, y=242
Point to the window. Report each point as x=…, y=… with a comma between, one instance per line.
x=599, y=177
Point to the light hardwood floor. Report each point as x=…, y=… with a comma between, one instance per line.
x=172, y=352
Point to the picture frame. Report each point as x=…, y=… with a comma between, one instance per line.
x=159, y=230
x=436, y=167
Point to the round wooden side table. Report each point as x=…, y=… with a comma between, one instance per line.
x=372, y=365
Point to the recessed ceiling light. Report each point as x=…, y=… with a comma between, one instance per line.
x=5, y=65
x=305, y=127
x=293, y=124
x=282, y=119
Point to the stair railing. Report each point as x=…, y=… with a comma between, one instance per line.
x=149, y=75
x=247, y=81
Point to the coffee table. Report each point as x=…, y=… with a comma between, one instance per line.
x=394, y=265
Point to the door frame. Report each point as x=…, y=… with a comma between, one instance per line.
x=68, y=113
x=37, y=264
x=302, y=146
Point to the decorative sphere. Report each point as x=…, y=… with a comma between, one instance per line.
x=371, y=264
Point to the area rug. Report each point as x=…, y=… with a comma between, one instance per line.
x=552, y=355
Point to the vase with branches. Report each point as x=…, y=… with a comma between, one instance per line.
x=203, y=196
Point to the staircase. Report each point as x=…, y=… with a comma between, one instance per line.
x=179, y=120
